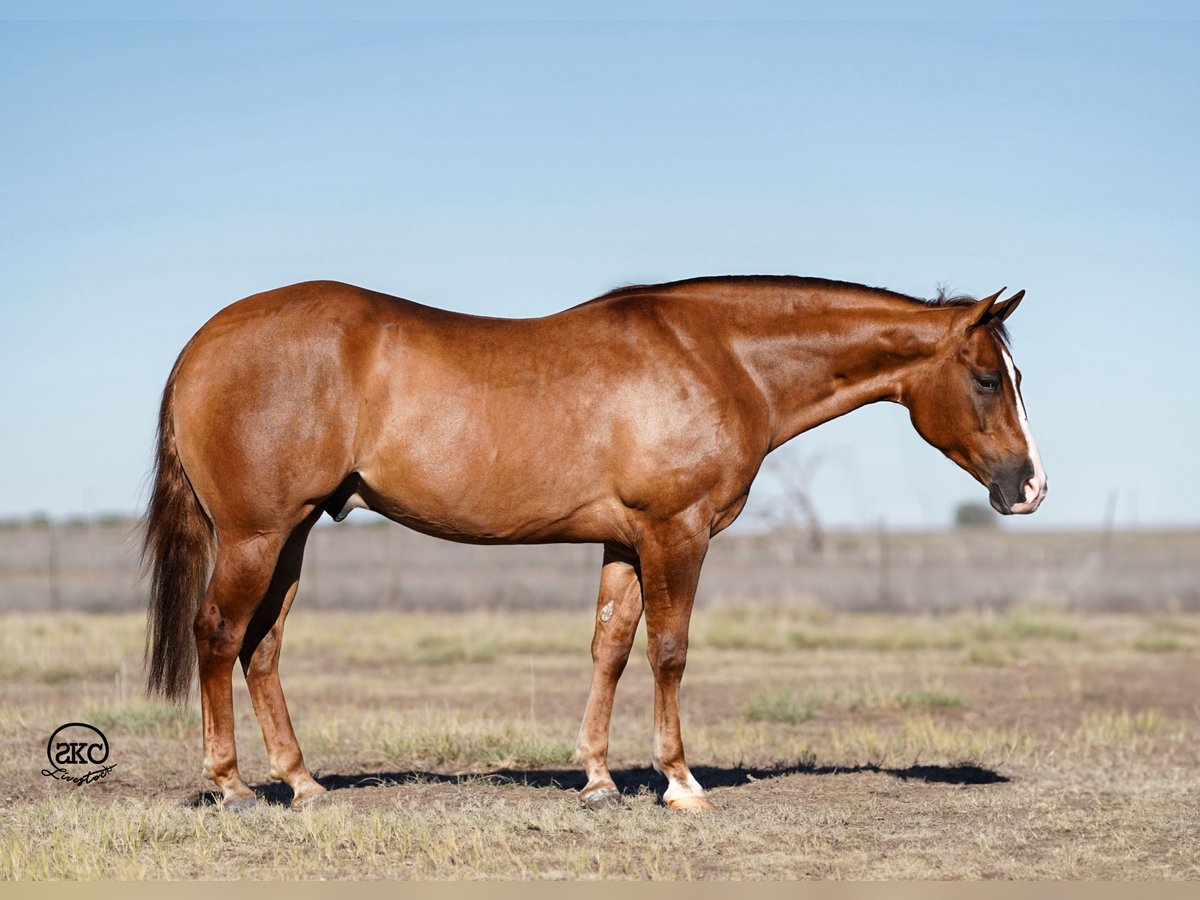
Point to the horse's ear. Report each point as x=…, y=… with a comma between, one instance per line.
x=1002, y=311
x=980, y=311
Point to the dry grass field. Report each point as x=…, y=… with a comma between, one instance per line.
x=1032, y=744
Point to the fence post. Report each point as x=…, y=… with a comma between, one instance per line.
x=885, y=563
x=52, y=570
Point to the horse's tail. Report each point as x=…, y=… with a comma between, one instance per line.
x=177, y=548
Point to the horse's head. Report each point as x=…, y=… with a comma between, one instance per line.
x=967, y=403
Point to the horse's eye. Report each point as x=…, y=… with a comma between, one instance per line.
x=989, y=384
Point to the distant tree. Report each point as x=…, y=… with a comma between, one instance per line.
x=972, y=514
x=791, y=506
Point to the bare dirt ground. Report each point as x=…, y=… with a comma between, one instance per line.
x=1033, y=744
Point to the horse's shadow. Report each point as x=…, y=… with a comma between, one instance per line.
x=630, y=781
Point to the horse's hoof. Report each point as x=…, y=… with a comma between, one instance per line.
x=319, y=799
x=241, y=804
x=604, y=798
x=692, y=802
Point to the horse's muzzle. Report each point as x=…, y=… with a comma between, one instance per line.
x=1017, y=491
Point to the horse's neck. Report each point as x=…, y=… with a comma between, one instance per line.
x=825, y=353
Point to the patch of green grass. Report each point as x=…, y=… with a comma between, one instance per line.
x=147, y=719
x=909, y=641
x=437, y=638
x=804, y=640
x=1176, y=625
x=63, y=672
x=443, y=649
x=991, y=655
x=1159, y=645
x=779, y=631
x=1123, y=726
x=451, y=741
x=891, y=640
x=926, y=739
x=925, y=699
x=731, y=636
x=780, y=705
x=1021, y=628
x=545, y=645
x=929, y=699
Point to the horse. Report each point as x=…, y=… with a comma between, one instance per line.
x=637, y=420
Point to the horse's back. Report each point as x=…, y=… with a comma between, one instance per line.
x=281, y=396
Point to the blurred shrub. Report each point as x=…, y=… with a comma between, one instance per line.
x=975, y=515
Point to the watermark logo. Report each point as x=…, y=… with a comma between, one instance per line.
x=77, y=753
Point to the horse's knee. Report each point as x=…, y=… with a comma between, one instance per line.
x=668, y=654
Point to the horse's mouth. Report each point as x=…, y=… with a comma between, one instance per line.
x=999, y=504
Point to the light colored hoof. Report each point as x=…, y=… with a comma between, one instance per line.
x=693, y=802
x=318, y=799
x=240, y=805
x=604, y=798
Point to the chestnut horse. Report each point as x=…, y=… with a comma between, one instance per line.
x=637, y=420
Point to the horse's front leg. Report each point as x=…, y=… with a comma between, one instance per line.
x=618, y=611
x=671, y=557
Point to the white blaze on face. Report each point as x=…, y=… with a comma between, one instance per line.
x=1035, y=487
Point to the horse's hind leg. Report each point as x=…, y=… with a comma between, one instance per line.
x=618, y=611
x=260, y=662
x=240, y=577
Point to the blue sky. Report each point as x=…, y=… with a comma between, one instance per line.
x=153, y=172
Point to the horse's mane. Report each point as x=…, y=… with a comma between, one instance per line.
x=943, y=298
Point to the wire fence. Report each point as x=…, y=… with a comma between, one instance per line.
x=95, y=566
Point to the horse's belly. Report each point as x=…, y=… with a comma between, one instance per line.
x=482, y=520
x=477, y=503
